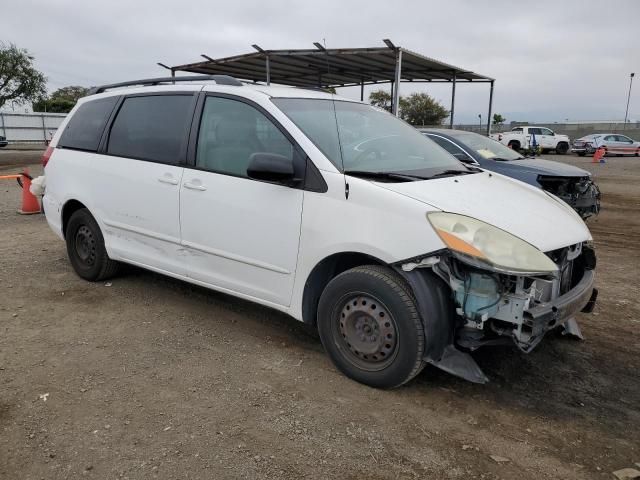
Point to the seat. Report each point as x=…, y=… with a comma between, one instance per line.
x=236, y=141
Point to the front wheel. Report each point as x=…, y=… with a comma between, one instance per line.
x=562, y=148
x=369, y=325
x=85, y=247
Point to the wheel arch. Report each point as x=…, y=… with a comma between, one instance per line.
x=68, y=209
x=324, y=271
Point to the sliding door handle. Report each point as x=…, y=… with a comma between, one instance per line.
x=193, y=186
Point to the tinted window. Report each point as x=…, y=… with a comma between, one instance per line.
x=610, y=138
x=622, y=138
x=86, y=125
x=545, y=131
x=231, y=132
x=534, y=131
x=152, y=128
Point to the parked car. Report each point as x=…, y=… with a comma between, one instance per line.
x=3, y=142
x=613, y=143
x=572, y=184
x=523, y=138
x=328, y=209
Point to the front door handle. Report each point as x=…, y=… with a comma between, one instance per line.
x=168, y=179
x=193, y=186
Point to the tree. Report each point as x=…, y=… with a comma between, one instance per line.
x=498, y=119
x=380, y=99
x=421, y=109
x=61, y=101
x=20, y=82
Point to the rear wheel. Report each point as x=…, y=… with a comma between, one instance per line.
x=85, y=247
x=514, y=145
x=562, y=148
x=370, y=327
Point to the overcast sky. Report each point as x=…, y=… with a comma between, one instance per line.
x=552, y=60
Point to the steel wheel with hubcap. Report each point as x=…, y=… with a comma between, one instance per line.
x=369, y=325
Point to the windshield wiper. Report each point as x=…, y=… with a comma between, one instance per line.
x=403, y=177
x=451, y=173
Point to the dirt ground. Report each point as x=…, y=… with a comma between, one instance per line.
x=148, y=377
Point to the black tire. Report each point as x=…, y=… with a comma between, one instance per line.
x=514, y=145
x=562, y=148
x=85, y=248
x=582, y=154
x=381, y=342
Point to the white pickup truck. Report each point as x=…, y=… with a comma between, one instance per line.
x=523, y=137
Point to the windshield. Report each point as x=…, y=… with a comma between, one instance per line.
x=485, y=146
x=358, y=137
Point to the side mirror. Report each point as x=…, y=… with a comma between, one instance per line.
x=271, y=167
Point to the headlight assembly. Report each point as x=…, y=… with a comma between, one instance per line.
x=487, y=246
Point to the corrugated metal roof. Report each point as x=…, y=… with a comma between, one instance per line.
x=336, y=67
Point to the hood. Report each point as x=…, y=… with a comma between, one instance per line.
x=539, y=166
x=522, y=210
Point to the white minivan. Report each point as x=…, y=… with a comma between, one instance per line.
x=328, y=209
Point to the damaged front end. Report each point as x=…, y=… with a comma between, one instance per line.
x=581, y=193
x=497, y=307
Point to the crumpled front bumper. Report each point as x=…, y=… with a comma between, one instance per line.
x=548, y=315
x=586, y=202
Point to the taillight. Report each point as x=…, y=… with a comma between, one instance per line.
x=47, y=156
x=500, y=137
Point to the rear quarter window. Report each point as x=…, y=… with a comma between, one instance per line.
x=152, y=127
x=85, y=127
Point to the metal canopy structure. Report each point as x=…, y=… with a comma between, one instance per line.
x=322, y=67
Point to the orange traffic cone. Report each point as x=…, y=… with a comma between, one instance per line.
x=30, y=204
x=598, y=155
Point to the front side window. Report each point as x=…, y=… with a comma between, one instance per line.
x=358, y=137
x=545, y=131
x=232, y=131
x=85, y=127
x=623, y=139
x=153, y=127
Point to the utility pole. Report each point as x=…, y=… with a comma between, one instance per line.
x=480, y=120
x=626, y=113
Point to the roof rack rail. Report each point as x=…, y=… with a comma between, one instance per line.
x=219, y=79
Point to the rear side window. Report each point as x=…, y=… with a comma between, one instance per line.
x=153, y=127
x=85, y=127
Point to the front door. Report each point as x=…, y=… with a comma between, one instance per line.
x=547, y=138
x=241, y=235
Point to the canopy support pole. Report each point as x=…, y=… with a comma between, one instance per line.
x=453, y=100
x=268, y=65
x=396, y=90
x=490, y=106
